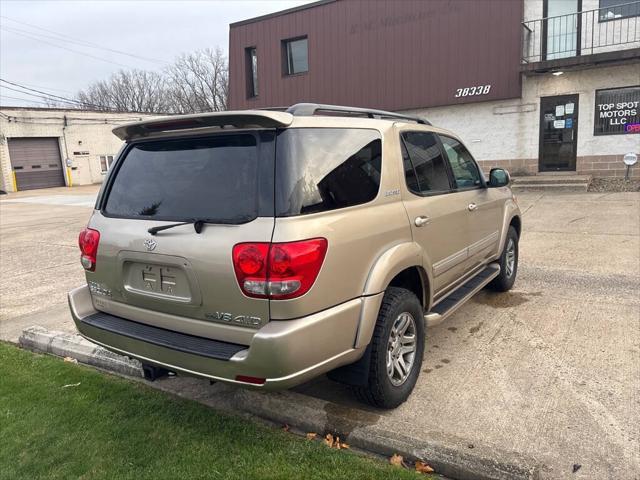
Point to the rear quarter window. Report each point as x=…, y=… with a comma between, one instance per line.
x=322, y=169
x=221, y=178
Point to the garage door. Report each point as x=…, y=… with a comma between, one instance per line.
x=36, y=162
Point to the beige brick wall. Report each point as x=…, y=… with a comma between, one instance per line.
x=506, y=133
x=594, y=165
x=85, y=131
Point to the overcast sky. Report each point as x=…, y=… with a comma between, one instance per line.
x=32, y=55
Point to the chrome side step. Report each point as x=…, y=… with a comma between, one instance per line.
x=460, y=295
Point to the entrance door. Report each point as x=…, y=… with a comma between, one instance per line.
x=558, y=133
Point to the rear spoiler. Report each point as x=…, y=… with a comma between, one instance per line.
x=233, y=119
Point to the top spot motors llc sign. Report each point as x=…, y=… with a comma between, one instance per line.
x=617, y=111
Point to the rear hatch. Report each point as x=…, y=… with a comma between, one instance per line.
x=182, y=277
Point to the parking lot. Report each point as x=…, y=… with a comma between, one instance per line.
x=550, y=370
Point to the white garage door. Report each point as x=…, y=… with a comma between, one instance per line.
x=36, y=162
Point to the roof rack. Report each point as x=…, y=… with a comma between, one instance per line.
x=310, y=109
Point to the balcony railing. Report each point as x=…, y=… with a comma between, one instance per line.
x=582, y=33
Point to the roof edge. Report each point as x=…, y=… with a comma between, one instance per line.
x=280, y=13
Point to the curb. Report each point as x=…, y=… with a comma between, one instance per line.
x=449, y=456
x=62, y=344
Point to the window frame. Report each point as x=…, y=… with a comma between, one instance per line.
x=285, y=56
x=483, y=182
x=108, y=162
x=251, y=71
x=447, y=166
x=623, y=3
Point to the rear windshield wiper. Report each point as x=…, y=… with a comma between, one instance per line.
x=198, y=224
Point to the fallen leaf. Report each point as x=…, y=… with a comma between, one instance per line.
x=286, y=427
x=396, y=460
x=329, y=440
x=70, y=360
x=422, y=467
x=343, y=445
x=311, y=436
x=71, y=385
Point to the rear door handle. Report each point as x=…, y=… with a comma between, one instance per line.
x=421, y=221
x=472, y=207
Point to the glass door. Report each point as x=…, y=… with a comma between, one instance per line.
x=561, y=37
x=558, y=133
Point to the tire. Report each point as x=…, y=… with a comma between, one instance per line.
x=505, y=280
x=383, y=390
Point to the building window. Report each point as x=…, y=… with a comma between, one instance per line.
x=295, y=55
x=251, y=61
x=105, y=162
x=615, y=9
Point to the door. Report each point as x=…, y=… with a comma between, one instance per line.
x=558, y=133
x=438, y=217
x=483, y=204
x=561, y=28
x=36, y=162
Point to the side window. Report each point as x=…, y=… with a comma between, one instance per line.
x=424, y=166
x=409, y=172
x=321, y=169
x=465, y=171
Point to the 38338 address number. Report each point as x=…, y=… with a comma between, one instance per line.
x=471, y=91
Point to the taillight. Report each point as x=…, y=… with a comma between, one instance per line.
x=88, y=243
x=278, y=270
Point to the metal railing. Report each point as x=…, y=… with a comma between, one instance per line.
x=582, y=33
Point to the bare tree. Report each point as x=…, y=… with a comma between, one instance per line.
x=195, y=82
x=198, y=82
x=133, y=90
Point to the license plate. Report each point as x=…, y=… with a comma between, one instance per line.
x=157, y=280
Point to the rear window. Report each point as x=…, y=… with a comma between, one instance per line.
x=222, y=178
x=320, y=169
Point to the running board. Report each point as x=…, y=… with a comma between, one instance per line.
x=460, y=295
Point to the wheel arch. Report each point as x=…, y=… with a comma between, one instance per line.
x=399, y=266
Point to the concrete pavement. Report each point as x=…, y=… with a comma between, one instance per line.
x=550, y=370
x=39, y=256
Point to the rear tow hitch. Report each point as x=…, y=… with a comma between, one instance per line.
x=153, y=373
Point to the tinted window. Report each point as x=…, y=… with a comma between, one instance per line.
x=215, y=178
x=409, y=173
x=465, y=171
x=320, y=169
x=425, y=158
x=296, y=56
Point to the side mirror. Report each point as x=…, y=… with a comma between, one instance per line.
x=498, y=177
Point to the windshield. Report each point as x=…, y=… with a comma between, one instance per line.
x=214, y=178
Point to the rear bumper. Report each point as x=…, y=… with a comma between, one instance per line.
x=285, y=352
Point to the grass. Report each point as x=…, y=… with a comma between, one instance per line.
x=108, y=427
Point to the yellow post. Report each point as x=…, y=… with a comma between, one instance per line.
x=15, y=182
x=69, y=180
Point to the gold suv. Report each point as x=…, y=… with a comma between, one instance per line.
x=264, y=248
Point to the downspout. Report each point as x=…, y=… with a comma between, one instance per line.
x=66, y=153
